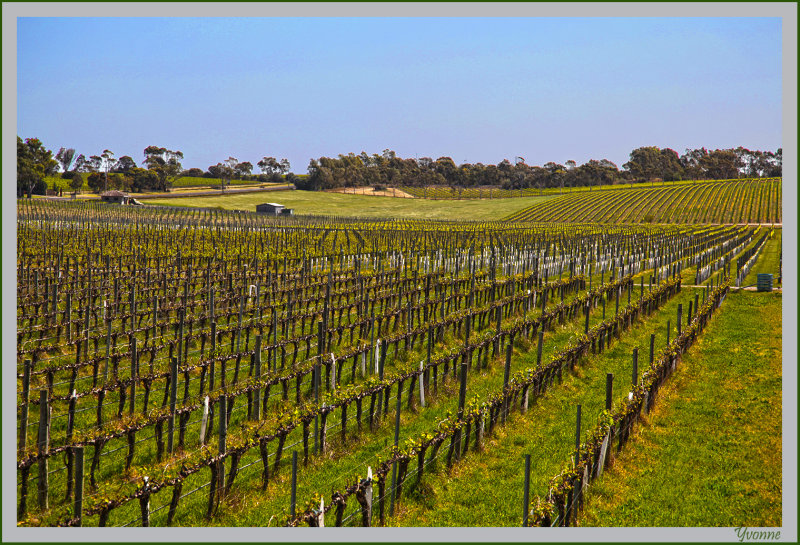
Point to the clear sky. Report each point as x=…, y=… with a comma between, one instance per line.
x=474, y=89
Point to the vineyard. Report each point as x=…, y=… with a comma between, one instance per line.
x=197, y=367
x=723, y=202
x=491, y=192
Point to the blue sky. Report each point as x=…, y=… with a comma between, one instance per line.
x=474, y=89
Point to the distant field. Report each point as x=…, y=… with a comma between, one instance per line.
x=724, y=201
x=180, y=183
x=198, y=181
x=337, y=204
x=457, y=193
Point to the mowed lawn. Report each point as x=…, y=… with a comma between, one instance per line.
x=338, y=204
x=710, y=453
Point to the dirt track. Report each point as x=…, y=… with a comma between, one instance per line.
x=389, y=192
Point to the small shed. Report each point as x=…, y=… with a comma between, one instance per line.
x=287, y=212
x=271, y=208
x=114, y=196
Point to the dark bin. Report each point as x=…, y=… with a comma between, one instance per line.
x=764, y=282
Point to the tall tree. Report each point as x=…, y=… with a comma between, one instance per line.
x=108, y=162
x=232, y=163
x=97, y=182
x=34, y=162
x=691, y=163
x=319, y=176
x=225, y=171
x=244, y=168
x=93, y=164
x=597, y=173
x=447, y=168
x=80, y=164
x=274, y=169
x=777, y=169
x=125, y=164
x=165, y=163
x=669, y=165
x=644, y=163
x=193, y=172
x=76, y=183
x=65, y=157
x=722, y=164
x=269, y=165
x=141, y=179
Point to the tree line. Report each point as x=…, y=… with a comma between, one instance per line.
x=162, y=167
x=645, y=164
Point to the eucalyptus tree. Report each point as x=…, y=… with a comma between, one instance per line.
x=165, y=163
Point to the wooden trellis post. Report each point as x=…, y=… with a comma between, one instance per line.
x=43, y=447
x=23, y=419
x=173, y=399
x=256, y=412
x=78, y=509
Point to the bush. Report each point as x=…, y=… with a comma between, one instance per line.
x=143, y=180
x=40, y=187
x=117, y=181
x=305, y=183
x=77, y=181
x=96, y=181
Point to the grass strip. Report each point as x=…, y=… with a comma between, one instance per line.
x=768, y=261
x=470, y=495
x=710, y=452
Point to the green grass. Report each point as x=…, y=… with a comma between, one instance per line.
x=768, y=261
x=486, y=489
x=195, y=181
x=710, y=453
x=338, y=204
